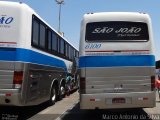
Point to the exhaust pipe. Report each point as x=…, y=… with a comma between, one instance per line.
x=7, y=101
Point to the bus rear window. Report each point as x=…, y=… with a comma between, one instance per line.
x=117, y=31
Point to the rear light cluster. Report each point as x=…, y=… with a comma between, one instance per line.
x=152, y=83
x=18, y=78
x=82, y=85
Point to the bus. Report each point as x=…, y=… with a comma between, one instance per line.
x=34, y=58
x=116, y=61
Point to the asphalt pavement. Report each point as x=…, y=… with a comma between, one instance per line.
x=68, y=109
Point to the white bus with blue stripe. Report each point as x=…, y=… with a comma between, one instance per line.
x=116, y=61
x=34, y=58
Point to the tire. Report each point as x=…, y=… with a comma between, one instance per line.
x=53, y=95
x=67, y=90
x=61, y=92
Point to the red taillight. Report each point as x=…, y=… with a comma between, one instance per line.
x=152, y=83
x=145, y=98
x=8, y=94
x=82, y=85
x=18, y=77
x=92, y=99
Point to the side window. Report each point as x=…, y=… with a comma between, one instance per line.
x=72, y=53
x=58, y=44
x=35, y=32
x=77, y=54
x=46, y=39
x=62, y=46
x=69, y=52
x=42, y=35
x=54, y=42
x=49, y=40
x=66, y=50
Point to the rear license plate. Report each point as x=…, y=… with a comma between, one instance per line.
x=118, y=100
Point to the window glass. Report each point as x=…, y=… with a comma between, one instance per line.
x=71, y=53
x=35, y=32
x=58, y=44
x=54, y=41
x=42, y=36
x=61, y=46
x=49, y=40
x=66, y=50
x=116, y=31
x=77, y=54
x=74, y=53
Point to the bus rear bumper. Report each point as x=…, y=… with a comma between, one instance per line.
x=10, y=97
x=117, y=100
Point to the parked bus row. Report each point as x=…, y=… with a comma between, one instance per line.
x=116, y=62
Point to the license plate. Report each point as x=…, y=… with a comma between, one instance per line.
x=118, y=100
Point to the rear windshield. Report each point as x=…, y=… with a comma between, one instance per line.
x=116, y=31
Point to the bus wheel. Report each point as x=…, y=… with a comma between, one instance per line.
x=53, y=95
x=62, y=92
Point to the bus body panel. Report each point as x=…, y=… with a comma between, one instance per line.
x=10, y=22
x=34, y=89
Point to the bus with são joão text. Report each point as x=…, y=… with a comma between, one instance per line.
x=116, y=61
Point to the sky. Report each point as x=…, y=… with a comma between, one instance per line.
x=73, y=11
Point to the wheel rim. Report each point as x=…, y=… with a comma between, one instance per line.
x=62, y=90
x=53, y=95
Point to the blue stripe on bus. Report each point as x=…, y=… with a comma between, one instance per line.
x=7, y=54
x=117, y=61
x=25, y=55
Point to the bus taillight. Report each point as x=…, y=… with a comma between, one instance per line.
x=152, y=83
x=18, y=77
x=82, y=85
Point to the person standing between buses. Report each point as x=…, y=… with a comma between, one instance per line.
x=68, y=84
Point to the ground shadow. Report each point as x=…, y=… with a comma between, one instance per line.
x=23, y=113
x=122, y=114
x=20, y=113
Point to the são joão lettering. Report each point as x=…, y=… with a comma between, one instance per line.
x=131, y=30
